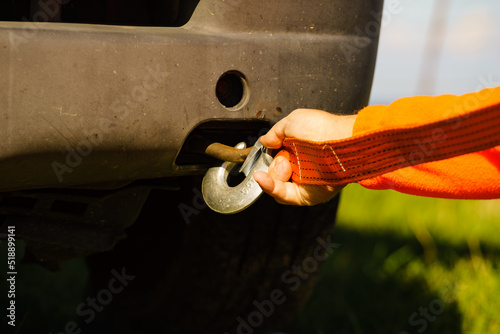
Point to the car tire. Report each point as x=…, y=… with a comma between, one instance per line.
x=198, y=271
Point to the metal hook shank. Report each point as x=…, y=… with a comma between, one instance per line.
x=224, y=199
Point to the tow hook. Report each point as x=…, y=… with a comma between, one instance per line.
x=224, y=199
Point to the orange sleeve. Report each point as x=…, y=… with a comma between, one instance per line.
x=470, y=176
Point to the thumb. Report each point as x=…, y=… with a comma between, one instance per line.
x=280, y=169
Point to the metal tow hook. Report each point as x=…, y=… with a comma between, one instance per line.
x=224, y=199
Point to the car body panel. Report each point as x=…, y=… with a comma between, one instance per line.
x=87, y=104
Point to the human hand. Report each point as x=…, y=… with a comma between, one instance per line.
x=309, y=124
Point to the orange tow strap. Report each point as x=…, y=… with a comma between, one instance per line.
x=375, y=153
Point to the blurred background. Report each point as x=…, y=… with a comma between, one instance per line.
x=408, y=264
x=437, y=47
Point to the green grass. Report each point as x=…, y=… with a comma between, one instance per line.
x=408, y=264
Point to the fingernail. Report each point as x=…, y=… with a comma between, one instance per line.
x=278, y=166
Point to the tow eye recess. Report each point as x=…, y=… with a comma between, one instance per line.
x=224, y=199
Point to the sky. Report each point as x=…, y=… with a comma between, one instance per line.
x=469, y=54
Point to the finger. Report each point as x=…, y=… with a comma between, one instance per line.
x=274, y=137
x=283, y=192
x=265, y=181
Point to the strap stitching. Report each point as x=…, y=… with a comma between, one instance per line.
x=384, y=167
x=427, y=127
x=396, y=147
